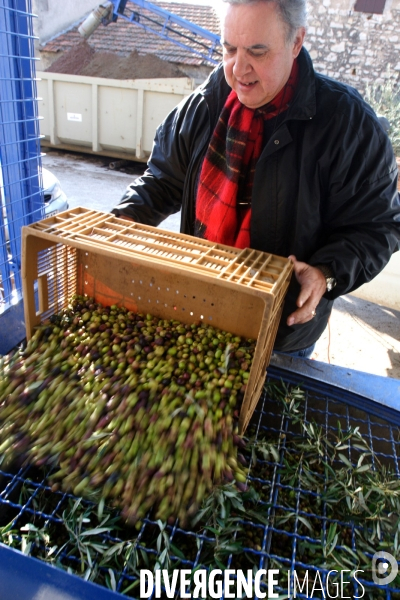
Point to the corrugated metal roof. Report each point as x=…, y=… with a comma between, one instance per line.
x=124, y=37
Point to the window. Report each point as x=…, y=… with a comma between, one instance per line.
x=370, y=6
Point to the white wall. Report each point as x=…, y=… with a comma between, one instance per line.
x=55, y=16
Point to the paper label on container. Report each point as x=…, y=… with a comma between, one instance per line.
x=74, y=117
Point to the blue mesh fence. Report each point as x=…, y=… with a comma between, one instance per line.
x=20, y=160
x=303, y=532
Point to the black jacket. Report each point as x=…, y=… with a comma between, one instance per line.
x=325, y=186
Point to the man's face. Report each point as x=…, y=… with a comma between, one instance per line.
x=257, y=57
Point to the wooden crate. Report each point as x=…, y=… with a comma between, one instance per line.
x=151, y=270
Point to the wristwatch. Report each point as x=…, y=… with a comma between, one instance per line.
x=329, y=278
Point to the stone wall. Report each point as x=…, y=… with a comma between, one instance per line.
x=354, y=47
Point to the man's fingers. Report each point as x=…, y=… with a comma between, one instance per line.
x=312, y=287
x=304, y=296
x=306, y=311
x=301, y=315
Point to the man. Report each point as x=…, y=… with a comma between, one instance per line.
x=270, y=155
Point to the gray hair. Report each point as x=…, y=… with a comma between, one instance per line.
x=293, y=13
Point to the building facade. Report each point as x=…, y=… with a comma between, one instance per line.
x=55, y=16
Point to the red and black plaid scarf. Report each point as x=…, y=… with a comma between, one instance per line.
x=223, y=203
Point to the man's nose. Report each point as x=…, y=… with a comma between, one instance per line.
x=242, y=66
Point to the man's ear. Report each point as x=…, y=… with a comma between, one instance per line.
x=298, y=41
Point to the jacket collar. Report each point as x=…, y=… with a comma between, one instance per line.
x=304, y=104
x=216, y=90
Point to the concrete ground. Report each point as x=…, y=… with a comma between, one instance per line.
x=362, y=335
x=364, y=329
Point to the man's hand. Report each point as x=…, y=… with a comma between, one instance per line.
x=313, y=287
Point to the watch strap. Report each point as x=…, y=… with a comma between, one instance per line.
x=329, y=276
x=325, y=270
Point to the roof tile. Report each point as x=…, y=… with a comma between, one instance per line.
x=123, y=37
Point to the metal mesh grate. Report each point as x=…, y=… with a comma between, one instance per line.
x=298, y=518
x=21, y=195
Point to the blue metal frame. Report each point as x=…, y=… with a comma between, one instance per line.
x=24, y=578
x=380, y=396
x=20, y=157
x=208, y=42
